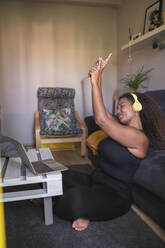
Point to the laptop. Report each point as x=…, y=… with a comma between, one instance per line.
x=37, y=167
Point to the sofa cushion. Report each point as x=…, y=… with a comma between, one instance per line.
x=150, y=203
x=94, y=139
x=158, y=96
x=151, y=173
x=91, y=124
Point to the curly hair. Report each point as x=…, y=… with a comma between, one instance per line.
x=152, y=118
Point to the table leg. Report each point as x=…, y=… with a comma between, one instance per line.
x=48, y=210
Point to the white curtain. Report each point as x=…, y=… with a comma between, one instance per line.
x=48, y=44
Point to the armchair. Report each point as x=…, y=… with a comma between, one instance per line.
x=56, y=120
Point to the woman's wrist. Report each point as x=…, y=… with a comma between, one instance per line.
x=95, y=82
x=96, y=79
x=95, y=86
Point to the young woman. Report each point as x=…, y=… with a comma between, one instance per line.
x=106, y=193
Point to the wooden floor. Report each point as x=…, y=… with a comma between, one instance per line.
x=70, y=157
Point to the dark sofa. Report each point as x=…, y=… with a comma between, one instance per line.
x=149, y=179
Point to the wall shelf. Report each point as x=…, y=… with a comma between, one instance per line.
x=158, y=33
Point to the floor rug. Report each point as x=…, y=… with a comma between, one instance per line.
x=25, y=228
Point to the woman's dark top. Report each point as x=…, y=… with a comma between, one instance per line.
x=117, y=161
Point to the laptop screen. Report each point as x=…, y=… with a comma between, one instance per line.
x=22, y=154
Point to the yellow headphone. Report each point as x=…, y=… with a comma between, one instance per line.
x=136, y=105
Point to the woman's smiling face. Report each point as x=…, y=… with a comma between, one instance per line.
x=125, y=111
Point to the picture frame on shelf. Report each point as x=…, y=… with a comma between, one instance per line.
x=153, y=18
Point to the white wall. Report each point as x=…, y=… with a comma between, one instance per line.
x=131, y=14
x=48, y=44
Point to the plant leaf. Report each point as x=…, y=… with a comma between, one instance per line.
x=134, y=81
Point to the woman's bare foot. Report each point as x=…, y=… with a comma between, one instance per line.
x=80, y=224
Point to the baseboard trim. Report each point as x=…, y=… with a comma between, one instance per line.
x=152, y=224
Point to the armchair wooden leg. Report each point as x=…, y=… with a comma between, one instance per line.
x=83, y=143
x=38, y=142
x=83, y=149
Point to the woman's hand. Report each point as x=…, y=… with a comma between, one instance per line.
x=95, y=71
x=101, y=64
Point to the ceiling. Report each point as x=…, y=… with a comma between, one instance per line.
x=108, y=3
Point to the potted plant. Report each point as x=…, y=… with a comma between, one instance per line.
x=135, y=81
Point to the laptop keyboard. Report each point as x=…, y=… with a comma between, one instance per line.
x=40, y=167
x=32, y=155
x=45, y=153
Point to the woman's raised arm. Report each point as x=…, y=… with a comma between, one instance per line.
x=127, y=135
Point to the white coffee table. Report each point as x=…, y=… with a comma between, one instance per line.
x=16, y=175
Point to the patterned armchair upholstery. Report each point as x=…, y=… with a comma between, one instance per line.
x=56, y=119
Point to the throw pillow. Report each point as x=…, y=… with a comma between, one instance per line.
x=57, y=119
x=94, y=139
